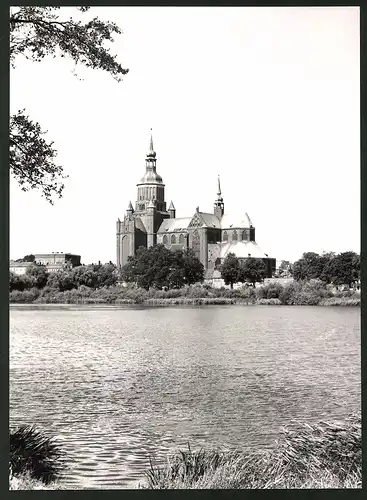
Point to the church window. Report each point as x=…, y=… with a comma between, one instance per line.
x=244, y=235
x=173, y=239
x=234, y=235
x=181, y=239
x=225, y=236
x=165, y=239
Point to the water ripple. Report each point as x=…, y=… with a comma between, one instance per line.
x=117, y=385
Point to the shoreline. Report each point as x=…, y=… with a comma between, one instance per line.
x=310, y=293
x=186, y=301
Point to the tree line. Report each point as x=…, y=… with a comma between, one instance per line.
x=92, y=276
x=331, y=268
x=160, y=268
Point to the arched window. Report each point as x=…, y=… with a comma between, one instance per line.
x=165, y=240
x=234, y=235
x=173, y=239
x=225, y=236
x=245, y=235
x=181, y=239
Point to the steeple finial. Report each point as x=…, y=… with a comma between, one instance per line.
x=151, y=153
x=151, y=140
x=218, y=204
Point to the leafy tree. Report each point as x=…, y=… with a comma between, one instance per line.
x=26, y=258
x=84, y=275
x=37, y=32
x=344, y=269
x=38, y=274
x=311, y=266
x=252, y=270
x=106, y=275
x=19, y=282
x=160, y=268
x=62, y=280
x=285, y=268
x=230, y=269
x=193, y=269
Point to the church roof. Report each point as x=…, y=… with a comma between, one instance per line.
x=242, y=249
x=151, y=176
x=241, y=221
x=169, y=225
x=210, y=220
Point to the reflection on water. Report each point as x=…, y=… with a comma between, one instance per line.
x=119, y=384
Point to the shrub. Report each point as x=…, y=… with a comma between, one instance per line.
x=269, y=302
x=271, y=291
x=34, y=453
x=26, y=296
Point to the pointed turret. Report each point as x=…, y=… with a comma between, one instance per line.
x=129, y=210
x=172, y=211
x=219, y=192
x=151, y=153
x=218, y=204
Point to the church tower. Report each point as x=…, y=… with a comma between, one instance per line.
x=219, y=204
x=150, y=206
x=150, y=187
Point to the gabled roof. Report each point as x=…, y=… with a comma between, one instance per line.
x=242, y=221
x=179, y=224
x=210, y=220
x=242, y=249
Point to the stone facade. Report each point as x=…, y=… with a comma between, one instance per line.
x=210, y=235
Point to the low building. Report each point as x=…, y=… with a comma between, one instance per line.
x=53, y=261
x=57, y=258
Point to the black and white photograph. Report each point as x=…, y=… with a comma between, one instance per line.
x=184, y=248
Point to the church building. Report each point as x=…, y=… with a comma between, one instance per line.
x=212, y=236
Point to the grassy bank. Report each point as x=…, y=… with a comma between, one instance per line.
x=320, y=456
x=327, y=455
x=307, y=293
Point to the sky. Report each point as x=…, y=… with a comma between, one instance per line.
x=268, y=98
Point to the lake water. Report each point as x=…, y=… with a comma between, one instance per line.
x=120, y=384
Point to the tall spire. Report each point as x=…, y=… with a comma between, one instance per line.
x=151, y=152
x=151, y=140
x=218, y=204
x=219, y=191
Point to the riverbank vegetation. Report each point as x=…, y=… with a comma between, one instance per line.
x=327, y=455
x=158, y=276
x=312, y=292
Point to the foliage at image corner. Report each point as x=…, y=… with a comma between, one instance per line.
x=35, y=33
x=34, y=455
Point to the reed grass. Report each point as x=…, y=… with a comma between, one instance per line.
x=34, y=456
x=325, y=455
